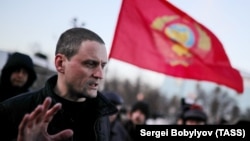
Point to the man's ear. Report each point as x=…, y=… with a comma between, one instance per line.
x=60, y=63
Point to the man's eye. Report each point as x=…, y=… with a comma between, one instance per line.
x=103, y=65
x=91, y=64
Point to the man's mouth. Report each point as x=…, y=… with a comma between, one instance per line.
x=93, y=85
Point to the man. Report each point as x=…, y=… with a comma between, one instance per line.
x=117, y=132
x=70, y=105
x=17, y=76
x=194, y=116
x=138, y=115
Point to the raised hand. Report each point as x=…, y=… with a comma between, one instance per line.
x=33, y=126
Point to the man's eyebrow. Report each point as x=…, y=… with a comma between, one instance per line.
x=104, y=63
x=90, y=60
x=94, y=62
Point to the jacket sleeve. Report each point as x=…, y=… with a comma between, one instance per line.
x=102, y=129
x=7, y=130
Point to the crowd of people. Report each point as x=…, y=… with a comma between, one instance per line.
x=70, y=106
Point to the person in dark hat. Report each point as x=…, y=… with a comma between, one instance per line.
x=138, y=115
x=194, y=116
x=17, y=75
x=115, y=98
x=117, y=132
x=184, y=107
x=142, y=108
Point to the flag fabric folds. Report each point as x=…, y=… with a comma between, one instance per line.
x=156, y=35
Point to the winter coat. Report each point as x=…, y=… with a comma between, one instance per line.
x=97, y=109
x=118, y=132
x=15, y=62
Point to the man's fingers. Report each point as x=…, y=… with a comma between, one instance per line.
x=23, y=125
x=52, y=111
x=63, y=135
x=36, y=115
x=37, y=121
x=28, y=121
x=46, y=104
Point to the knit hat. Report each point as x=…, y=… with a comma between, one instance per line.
x=142, y=106
x=195, y=112
x=114, y=98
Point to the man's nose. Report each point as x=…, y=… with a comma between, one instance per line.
x=99, y=72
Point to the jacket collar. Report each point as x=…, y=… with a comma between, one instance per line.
x=103, y=105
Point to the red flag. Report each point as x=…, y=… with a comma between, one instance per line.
x=155, y=35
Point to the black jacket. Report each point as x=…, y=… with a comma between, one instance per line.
x=85, y=115
x=14, y=62
x=118, y=132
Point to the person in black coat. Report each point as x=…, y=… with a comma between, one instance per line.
x=69, y=107
x=138, y=115
x=117, y=132
x=17, y=75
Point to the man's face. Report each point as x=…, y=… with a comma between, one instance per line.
x=19, y=77
x=138, y=118
x=84, y=71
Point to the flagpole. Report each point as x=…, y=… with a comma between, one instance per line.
x=181, y=82
x=139, y=78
